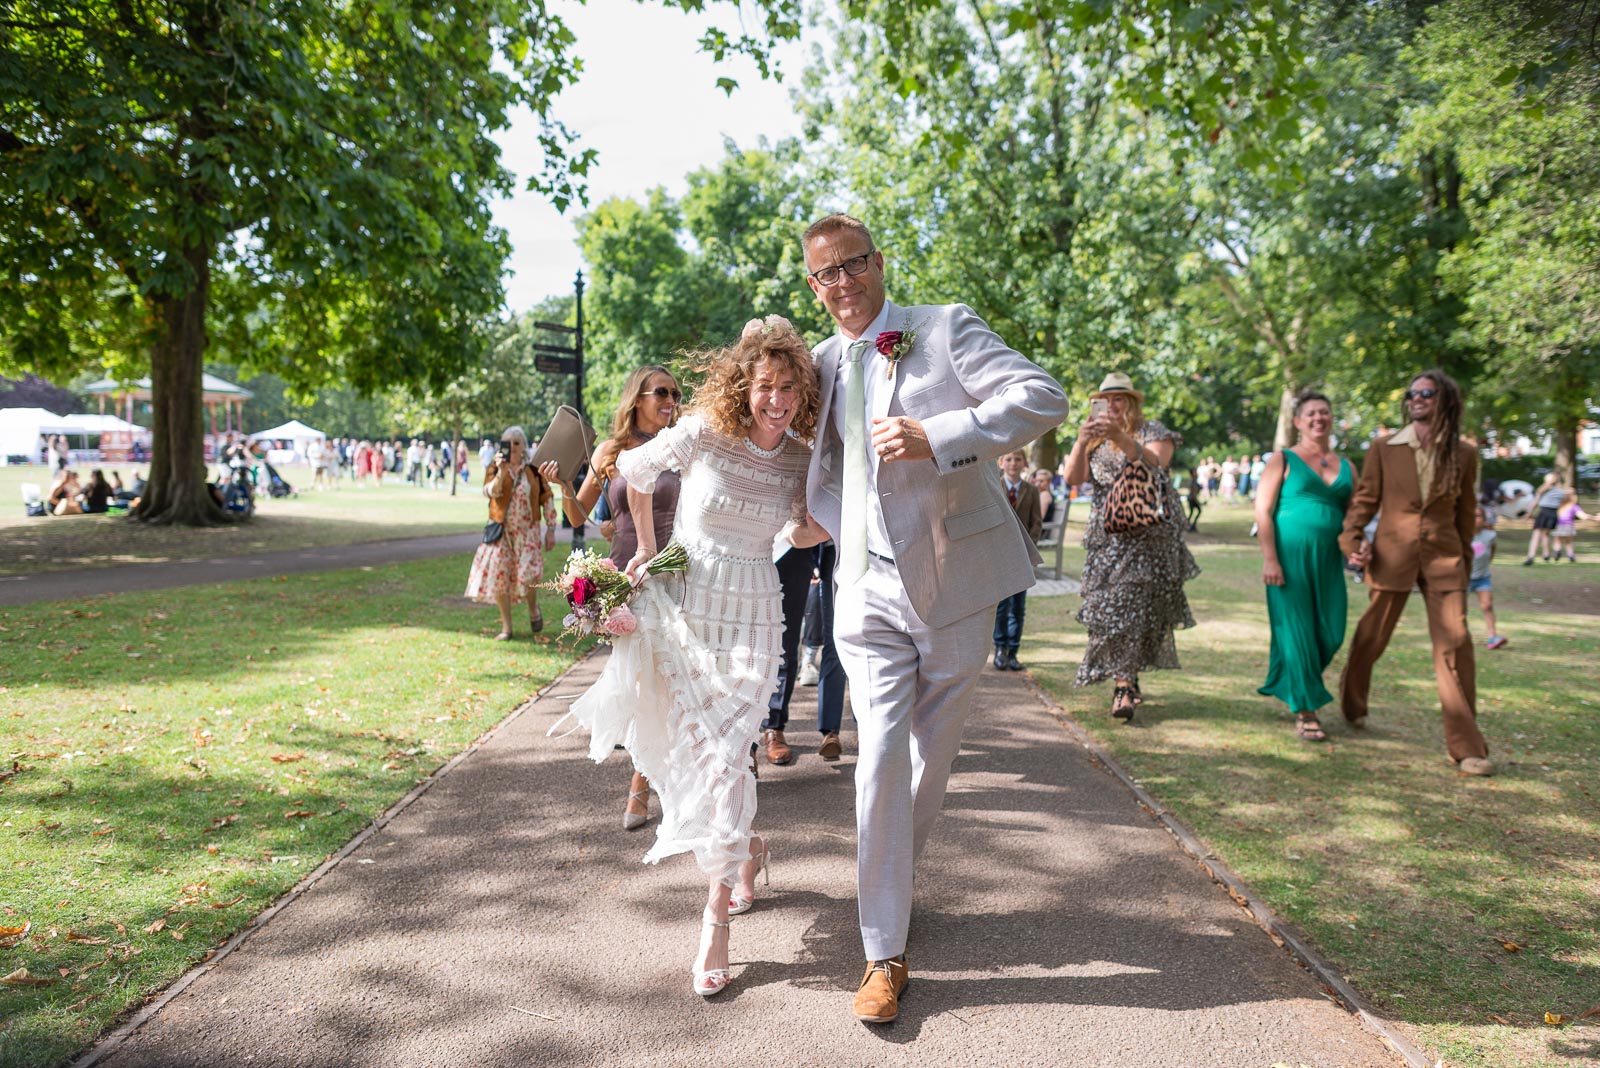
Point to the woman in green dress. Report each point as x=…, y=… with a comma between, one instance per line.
x=1299, y=511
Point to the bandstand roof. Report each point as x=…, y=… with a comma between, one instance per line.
x=212, y=389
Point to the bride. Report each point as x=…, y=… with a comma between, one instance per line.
x=685, y=693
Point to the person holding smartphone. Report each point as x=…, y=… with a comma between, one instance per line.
x=1133, y=597
x=509, y=564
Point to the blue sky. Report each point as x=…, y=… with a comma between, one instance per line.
x=648, y=102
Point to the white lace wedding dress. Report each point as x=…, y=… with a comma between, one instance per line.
x=686, y=692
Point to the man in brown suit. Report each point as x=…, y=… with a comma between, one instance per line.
x=1420, y=481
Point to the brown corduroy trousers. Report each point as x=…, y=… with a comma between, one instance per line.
x=1454, y=665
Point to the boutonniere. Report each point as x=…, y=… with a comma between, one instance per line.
x=893, y=345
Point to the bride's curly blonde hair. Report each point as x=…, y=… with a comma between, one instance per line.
x=723, y=396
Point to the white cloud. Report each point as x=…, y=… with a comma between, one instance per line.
x=648, y=102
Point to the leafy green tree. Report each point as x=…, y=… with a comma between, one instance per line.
x=671, y=276
x=306, y=181
x=1517, y=99
x=1005, y=158
x=506, y=389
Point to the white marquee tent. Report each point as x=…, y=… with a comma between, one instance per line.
x=293, y=430
x=21, y=428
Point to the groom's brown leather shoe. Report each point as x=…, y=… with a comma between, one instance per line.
x=878, y=1000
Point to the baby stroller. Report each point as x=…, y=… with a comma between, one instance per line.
x=276, y=486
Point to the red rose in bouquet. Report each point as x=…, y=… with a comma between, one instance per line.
x=582, y=590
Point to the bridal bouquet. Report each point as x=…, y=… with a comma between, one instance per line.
x=599, y=593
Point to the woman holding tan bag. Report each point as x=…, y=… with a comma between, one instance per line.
x=1135, y=561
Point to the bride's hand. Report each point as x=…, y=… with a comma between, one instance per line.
x=635, y=568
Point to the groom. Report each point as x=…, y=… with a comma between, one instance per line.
x=917, y=404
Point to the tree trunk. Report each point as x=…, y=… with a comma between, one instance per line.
x=1283, y=436
x=177, y=493
x=1045, y=452
x=1566, y=448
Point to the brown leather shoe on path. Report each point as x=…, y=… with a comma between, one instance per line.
x=878, y=1000
x=831, y=746
x=778, y=750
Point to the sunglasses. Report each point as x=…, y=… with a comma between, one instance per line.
x=662, y=393
x=1421, y=394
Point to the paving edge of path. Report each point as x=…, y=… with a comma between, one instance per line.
x=1334, y=985
x=109, y=1043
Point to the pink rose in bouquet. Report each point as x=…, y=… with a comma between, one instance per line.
x=621, y=621
x=582, y=590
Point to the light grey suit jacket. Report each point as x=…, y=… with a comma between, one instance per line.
x=957, y=543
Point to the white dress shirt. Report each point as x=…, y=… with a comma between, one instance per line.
x=879, y=389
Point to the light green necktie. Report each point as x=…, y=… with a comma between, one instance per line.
x=853, y=538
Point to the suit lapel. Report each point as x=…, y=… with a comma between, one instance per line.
x=894, y=320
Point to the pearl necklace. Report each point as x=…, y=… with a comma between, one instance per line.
x=765, y=454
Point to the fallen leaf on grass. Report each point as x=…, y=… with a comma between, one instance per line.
x=298, y=814
x=85, y=940
x=1557, y=1019
x=227, y=904
x=1591, y=1014
x=23, y=977
x=222, y=821
x=1501, y=1020
x=97, y=834
x=287, y=758
x=1509, y=947
x=155, y=928
x=80, y=1004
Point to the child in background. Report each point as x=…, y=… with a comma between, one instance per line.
x=1010, y=613
x=1193, y=495
x=1479, y=582
x=1566, y=532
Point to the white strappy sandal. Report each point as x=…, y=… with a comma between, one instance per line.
x=738, y=906
x=715, y=980
x=632, y=821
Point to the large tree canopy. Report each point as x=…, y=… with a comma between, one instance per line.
x=307, y=179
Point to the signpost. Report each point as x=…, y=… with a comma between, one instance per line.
x=562, y=359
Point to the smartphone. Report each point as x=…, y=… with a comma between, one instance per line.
x=1098, y=407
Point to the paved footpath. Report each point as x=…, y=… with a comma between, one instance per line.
x=503, y=918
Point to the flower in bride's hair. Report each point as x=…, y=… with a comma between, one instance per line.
x=751, y=329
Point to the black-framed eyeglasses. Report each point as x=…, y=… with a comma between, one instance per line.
x=827, y=276
x=1421, y=394
x=662, y=392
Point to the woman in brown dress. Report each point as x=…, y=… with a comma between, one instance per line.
x=650, y=400
x=1133, y=596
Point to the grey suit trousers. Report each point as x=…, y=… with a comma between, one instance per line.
x=911, y=688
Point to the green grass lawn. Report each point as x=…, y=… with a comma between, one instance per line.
x=175, y=761
x=312, y=519
x=1410, y=878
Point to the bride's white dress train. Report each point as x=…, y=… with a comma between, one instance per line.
x=686, y=692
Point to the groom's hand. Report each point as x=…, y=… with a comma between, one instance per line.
x=900, y=437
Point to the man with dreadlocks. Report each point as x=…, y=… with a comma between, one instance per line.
x=1419, y=481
